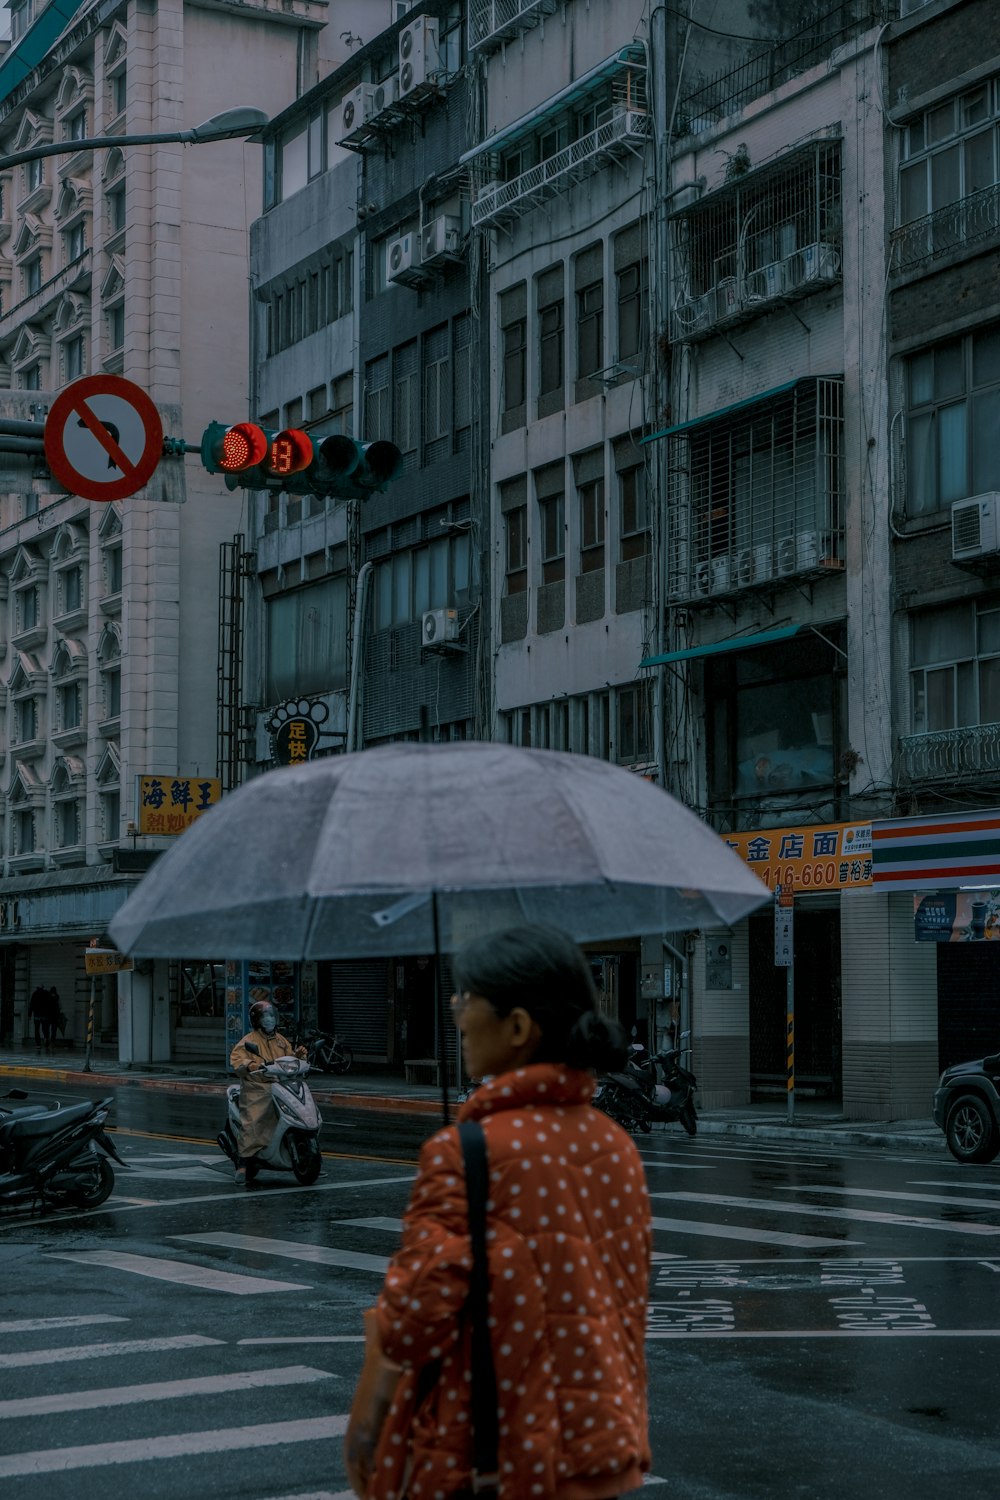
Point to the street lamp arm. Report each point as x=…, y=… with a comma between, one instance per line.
x=231, y=123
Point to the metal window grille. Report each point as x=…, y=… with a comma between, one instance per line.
x=757, y=494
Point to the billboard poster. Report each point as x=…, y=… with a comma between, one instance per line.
x=957, y=916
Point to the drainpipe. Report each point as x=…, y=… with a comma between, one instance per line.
x=360, y=600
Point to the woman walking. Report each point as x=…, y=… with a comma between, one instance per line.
x=568, y=1237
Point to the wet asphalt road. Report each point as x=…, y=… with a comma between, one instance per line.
x=823, y=1322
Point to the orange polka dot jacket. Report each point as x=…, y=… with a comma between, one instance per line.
x=569, y=1242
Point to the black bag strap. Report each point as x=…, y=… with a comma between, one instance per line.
x=485, y=1420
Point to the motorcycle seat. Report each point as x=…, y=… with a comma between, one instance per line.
x=41, y=1123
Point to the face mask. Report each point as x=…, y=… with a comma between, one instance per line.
x=268, y=1022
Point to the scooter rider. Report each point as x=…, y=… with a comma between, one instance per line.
x=256, y=1115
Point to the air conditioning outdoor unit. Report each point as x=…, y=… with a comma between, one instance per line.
x=438, y=627
x=806, y=551
x=385, y=94
x=763, y=562
x=819, y=262
x=743, y=574
x=726, y=300
x=356, y=110
x=703, y=578
x=695, y=313
x=975, y=527
x=402, y=259
x=440, y=239
x=766, y=283
x=785, y=554
x=720, y=573
x=418, y=54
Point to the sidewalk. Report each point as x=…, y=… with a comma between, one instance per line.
x=814, y=1119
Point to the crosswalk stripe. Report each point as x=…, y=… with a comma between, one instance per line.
x=173, y=1445
x=182, y=1272
x=105, y=1351
x=741, y=1232
x=949, y=1199
x=38, y=1325
x=393, y=1226
x=320, y=1255
x=159, y=1390
x=861, y=1215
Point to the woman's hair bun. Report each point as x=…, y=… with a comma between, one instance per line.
x=596, y=1042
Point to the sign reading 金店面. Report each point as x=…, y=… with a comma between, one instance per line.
x=169, y=804
x=824, y=857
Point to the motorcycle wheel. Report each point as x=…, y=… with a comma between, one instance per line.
x=645, y=1125
x=306, y=1162
x=98, y=1187
x=341, y=1061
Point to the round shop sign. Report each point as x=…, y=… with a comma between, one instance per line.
x=103, y=438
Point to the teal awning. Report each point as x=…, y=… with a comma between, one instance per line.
x=28, y=51
x=734, y=643
x=723, y=411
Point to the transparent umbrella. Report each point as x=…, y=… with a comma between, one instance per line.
x=414, y=849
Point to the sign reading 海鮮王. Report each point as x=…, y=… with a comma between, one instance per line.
x=822, y=857
x=169, y=804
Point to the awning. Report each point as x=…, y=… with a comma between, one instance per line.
x=734, y=643
x=527, y=124
x=727, y=411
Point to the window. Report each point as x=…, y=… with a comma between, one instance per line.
x=955, y=681
x=437, y=394
x=27, y=609
x=34, y=173
x=116, y=327
x=110, y=813
x=316, y=146
x=552, y=529
x=294, y=160
x=633, y=519
x=513, y=343
x=73, y=357
x=112, y=683
x=953, y=414
x=589, y=333
x=24, y=831
x=516, y=546
x=71, y=580
x=31, y=378
x=25, y=720
x=634, y=728
x=377, y=402
x=307, y=640
x=76, y=241
x=67, y=824
x=949, y=152
x=406, y=398
x=409, y=583
x=113, y=569
x=69, y=705
x=116, y=209
x=342, y=413
x=33, y=276
x=119, y=92
x=591, y=501
x=462, y=387
x=76, y=126
x=551, y=342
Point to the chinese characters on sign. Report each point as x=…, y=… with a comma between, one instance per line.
x=826, y=857
x=169, y=804
x=957, y=916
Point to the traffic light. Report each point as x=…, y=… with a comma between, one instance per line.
x=255, y=457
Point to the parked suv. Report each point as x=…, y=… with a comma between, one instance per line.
x=967, y=1108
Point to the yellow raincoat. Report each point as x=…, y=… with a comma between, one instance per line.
x=257, y=1118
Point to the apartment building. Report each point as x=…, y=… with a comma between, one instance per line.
x=128, y=261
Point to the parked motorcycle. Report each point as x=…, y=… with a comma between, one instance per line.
x=294, y=1143
x=650, y=1089
x=53, y=1155
x=328, y=1054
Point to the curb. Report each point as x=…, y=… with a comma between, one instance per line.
x=825, y=1135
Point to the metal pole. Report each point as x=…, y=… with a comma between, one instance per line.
x=90, y=1026
x=439, y=1014
x=790, y=1039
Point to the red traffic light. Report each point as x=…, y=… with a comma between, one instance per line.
x=291, y=452
x=243, y=447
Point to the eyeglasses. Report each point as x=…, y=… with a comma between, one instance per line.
x=459, y=1004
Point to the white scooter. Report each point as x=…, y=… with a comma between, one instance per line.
x=294, y=1144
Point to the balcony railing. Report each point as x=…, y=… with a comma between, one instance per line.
x=493, y=22
x=627, y=131
x=974, y=220
x=948, y=753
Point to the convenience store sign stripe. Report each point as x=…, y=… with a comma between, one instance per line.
x=914, y=832
x=943, y=849
x=938, y=872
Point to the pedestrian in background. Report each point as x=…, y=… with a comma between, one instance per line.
x=54, y=1016
x=38, y=1011
x=569, y=1237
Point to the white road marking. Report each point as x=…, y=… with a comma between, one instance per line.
x=319, y=1255
x=973, y=1187
x=160, y=1390
x=181, y=1174
x=105, y=1351
x=205, y=1278
x=393, y=1226
x=175, y=1445
x=738, y=1232
x=37, y=1325
x=309, y=1338
x=829, y=1333
x=947, y=1198
x=861, y=1215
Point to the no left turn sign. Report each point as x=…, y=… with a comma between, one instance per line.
x=103, y=437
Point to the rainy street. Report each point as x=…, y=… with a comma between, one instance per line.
x=823, y=1321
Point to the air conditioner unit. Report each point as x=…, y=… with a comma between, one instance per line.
x=385, y=94
x=806, y=551
x=438, y=627
x=695, y=313
x=726, y=300
x=401, y=259
x=418, y=54
x=743, y=571
x=975, y=527
x=766, y=283
x=356, y=110
x=785, y=554
x=703, y=578
x=720, y=573
x=763, y=562
x=440, y=239
x=819, y=262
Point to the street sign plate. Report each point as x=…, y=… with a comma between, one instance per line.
x=103, y=437
x=105, y=961
x=784, y=927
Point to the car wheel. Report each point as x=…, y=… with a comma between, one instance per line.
x=972, y=1131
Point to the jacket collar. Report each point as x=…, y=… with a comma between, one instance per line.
x=537, y=1084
